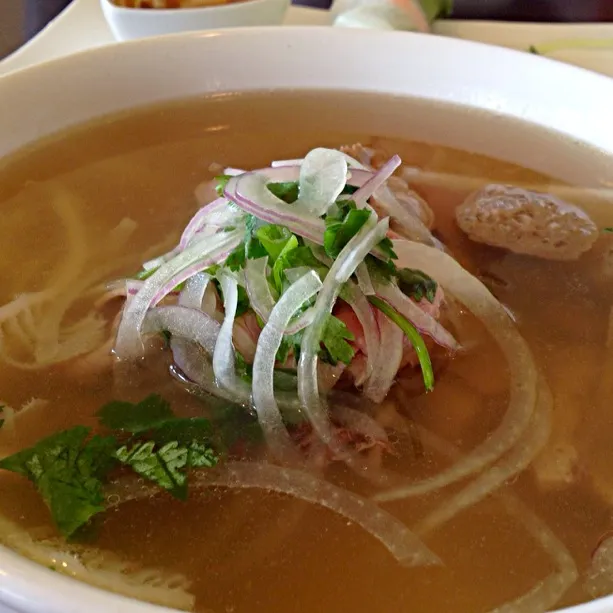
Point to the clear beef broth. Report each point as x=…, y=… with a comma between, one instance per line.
x=251, y=551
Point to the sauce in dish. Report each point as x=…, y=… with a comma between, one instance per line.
x=257, y=360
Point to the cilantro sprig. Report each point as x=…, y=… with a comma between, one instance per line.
x=69, y=468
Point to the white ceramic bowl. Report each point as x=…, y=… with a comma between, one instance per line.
x=551, y=117
x=129, y=23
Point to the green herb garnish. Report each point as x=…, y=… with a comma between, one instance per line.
x=287, y=191
x=414, y=337
x=334, y=339
x=69, y=468
x=342, y=227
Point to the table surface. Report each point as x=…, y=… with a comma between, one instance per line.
x=21, y=19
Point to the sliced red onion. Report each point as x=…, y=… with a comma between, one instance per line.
x=466, y=288
x=233, y=172
x=413, y=227
x=218, y=213
x=192, y=295
x=364, y=280
x=376, y=181
x=323, y=175
x=293, y=274
x=250, y=192
x=401, y=543
x=363, y=311
x=223, y=356
x=189, y=324
x=133, y=286
x=158, y=261
x=423, y=321
x=269, y=342
x=258, y=290
x=388, y=360
x=344, y=266
x=129, y=344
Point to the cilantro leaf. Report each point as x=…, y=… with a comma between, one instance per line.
x=222, y=181
x=379, y=270
x=608, y=230
x=334, y=339
x=1, y=411
x=387, y=247
x=143, y=275
x=67, y=472
x=135, y=418
x=183, y=431
x=286, y=191
x=416, y=284
x=338, y=233
x=167, y=466
x=236, y=260
x=274, y=239
x=281, y=264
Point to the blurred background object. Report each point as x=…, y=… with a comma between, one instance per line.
x=22, y=19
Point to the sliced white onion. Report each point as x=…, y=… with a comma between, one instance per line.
x=360, y=423
x=516, y=461
x=269, y=342
x=364, y=280
x=189, y=324
x=192, y=295
x=423, y=321
x=352, y=162
x=223, y=356
x=413, y=227
x=523, y=391
x=402, y=544
x=323, y=175
x=546, y=593
x=199, y=255
x=258, y=290
x=301, y=322
x=388, y=359
x=250, y=192
x=376, y=181
x=344, y=266
x=366, y=316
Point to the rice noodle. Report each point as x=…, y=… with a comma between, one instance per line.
x=518, y=459
x=101, y=569
x=476, y=297
x=401, y=543
x=269, y=342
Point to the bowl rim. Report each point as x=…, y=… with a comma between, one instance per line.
x=32, y=588
x=167, y=12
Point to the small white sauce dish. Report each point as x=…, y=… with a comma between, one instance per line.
x=131, y=23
